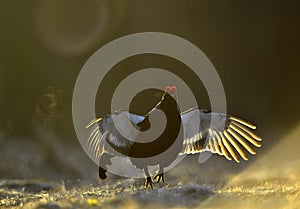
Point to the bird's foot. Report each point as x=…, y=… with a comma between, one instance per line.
x=149, y=182
x=159, y=177
x=103, y=162
x=102, y=173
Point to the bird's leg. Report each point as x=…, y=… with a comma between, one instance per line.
x=160, y=174
x=103, y=162
x=148, y=178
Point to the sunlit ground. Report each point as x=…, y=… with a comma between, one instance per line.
x=268, y=194
x=272, y=181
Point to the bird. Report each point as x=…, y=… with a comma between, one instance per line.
x=203, y=130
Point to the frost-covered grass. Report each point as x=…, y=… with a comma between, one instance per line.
x=129, y=193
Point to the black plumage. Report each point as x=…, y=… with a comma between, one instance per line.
x=114, y=135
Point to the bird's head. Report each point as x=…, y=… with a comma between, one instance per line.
x=172, y=90
x=168, y=101
x=169, y=98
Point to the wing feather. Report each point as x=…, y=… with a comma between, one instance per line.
x=110, y=132
x=253, y=135
x=240, y=131
x=245, y=123
x=242, y=142
x=235, y=145
x=217, y=147
x=218, y=133
x=229, y=148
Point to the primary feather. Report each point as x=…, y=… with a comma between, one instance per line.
x=106, y=136
x=217, y=133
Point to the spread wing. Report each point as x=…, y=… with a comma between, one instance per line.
x=112, y=132
x=217, y=133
